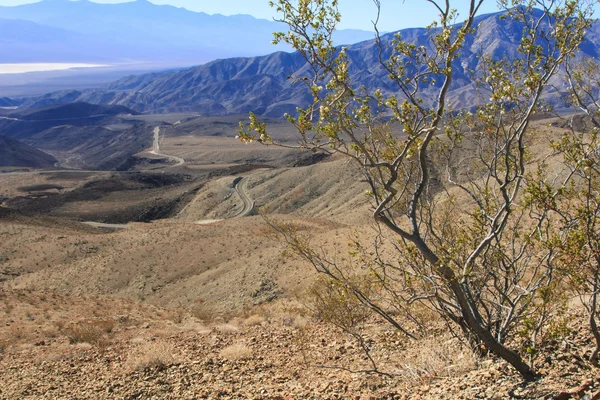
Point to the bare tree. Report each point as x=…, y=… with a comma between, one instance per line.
x=450, y=187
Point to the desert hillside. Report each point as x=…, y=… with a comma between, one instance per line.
x=163, y=282
x=17, y=154
x=411, y=216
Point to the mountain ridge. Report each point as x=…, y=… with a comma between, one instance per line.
x=78, y=135
x=261, y=84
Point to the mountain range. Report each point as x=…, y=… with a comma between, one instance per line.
x=262, y=85
x=6, y=102
x=132, y=32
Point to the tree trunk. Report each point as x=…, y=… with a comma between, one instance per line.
x=487, y=338
x=594, y=324
x=470, y=315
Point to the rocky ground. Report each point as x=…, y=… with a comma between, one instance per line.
x=67, y=347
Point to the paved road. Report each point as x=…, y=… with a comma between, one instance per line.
x=156, y=149
x=242, y=188
x=102, y=225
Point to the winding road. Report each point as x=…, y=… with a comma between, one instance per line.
x=107, y=226
x=156, y=149
x=241, y=188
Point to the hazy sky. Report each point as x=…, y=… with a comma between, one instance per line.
x=396, y=14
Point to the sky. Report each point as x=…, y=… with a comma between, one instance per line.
x=356, y=14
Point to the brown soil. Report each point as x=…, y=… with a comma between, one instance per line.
x=177, y=309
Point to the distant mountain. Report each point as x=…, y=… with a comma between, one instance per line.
x=24, y=41
x=14, y=153
x=137, y=31
x=6, y=102
x=261, y=84
x=79, y=135
x=72, y=111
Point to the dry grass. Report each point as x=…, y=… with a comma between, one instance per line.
x=254, y=320
x=157, y=355
x=236, y=352
x=299, y=321
x=64, y=352
x=287, y=312
x=15, y=336
x=137, y=341
x=203, y=311
x=436, y=357
x=227, y=328
x=91, y=332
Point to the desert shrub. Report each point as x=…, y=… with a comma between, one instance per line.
x=334, y=302
x=227, y=328
x=447, y=193
x=203, y=311
x=254, y=320
x=178, y=316
x=236, y=352
x=15, y=335
x=91, y=332
x=158, y=355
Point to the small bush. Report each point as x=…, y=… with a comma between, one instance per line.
x=90, y=332
x=156, y=355
x=227, y=328
x=203, y=311
x=236, y=352
x=254, y=320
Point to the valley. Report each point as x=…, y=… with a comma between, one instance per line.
x=179, y=227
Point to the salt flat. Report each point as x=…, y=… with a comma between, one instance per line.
x=43, y=67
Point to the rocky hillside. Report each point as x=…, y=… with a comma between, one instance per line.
x=80, y=135
x=14, y=153
x=6, y=102
x=262, y=84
